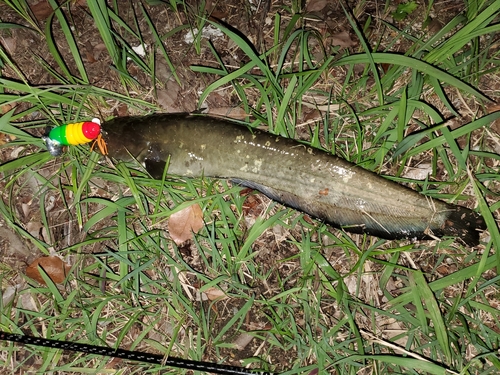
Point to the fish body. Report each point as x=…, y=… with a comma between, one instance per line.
x=308, y=179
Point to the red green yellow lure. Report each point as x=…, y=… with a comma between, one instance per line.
x=75, y=134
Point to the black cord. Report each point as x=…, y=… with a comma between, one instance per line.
x=131, y=355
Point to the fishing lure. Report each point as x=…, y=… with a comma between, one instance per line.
x=75, y=134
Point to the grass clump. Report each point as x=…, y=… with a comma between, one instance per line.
x=307, y=298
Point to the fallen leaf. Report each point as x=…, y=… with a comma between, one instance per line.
x=343, y=39
x=9, y=293
x=10, y=44
x=312, y=115
x=316, y=5
x=99, y=49
x=385, y=67
x=14, y=246
x=493, y=108
x=35, y=228
x=4, y=138
x=166, y=99
x=215, y=293
x=421, y=172
x=114, y=363
x=90, y=56
x=42, y=10
x=121, y=110
x=6, y=108
x=184, y=223
x=434, y=25
x=53, y=266
x=243, y=340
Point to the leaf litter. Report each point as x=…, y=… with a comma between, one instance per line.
x=278, y=258
x=184, y=223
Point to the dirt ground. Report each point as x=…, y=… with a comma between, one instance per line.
x=252, y=18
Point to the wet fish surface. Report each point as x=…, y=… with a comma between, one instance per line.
x=308, y=179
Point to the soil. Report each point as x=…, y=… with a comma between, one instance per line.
x=252, y=19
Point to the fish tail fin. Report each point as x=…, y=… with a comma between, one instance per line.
x=465, y=224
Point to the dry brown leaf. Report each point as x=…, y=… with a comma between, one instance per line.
x=53, y=266
x=316, y=5
x=343, y=39
x=243, y=340
x=184, y=223
x=114, y=363
x=215, y=293
x=4, y=138
x=10, y=44
x=493, y=108
x=121, y=110
x=434, y=26
x=15, y=246
x=6, y=108
x=311, y=115
x=35, y=228
x=98, y=49
x=421, y=172
x=166, y=99
x=42, y=10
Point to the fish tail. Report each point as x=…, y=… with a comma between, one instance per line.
x=464, y=224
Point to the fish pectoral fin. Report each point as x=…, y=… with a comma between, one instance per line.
x=154, y=160
x=155, y=168
x=274, y=194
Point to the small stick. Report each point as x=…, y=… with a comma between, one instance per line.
x=131, y=355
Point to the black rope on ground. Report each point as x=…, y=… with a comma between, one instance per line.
x=131, y=355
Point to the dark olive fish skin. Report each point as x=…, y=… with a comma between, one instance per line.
x=308, y=179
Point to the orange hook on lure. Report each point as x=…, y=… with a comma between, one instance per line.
x=75, y=134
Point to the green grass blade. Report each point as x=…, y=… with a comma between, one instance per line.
x=410, y=62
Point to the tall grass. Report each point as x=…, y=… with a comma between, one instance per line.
x=325, y=300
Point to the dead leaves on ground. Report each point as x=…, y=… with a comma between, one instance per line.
x=316, y=5
x=213, y=294
x=184, y=223
x=181, y=224
x=53, y=266
x=42, y=9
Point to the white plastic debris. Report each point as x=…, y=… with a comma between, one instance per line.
x=140, y=50
x=208, y=32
